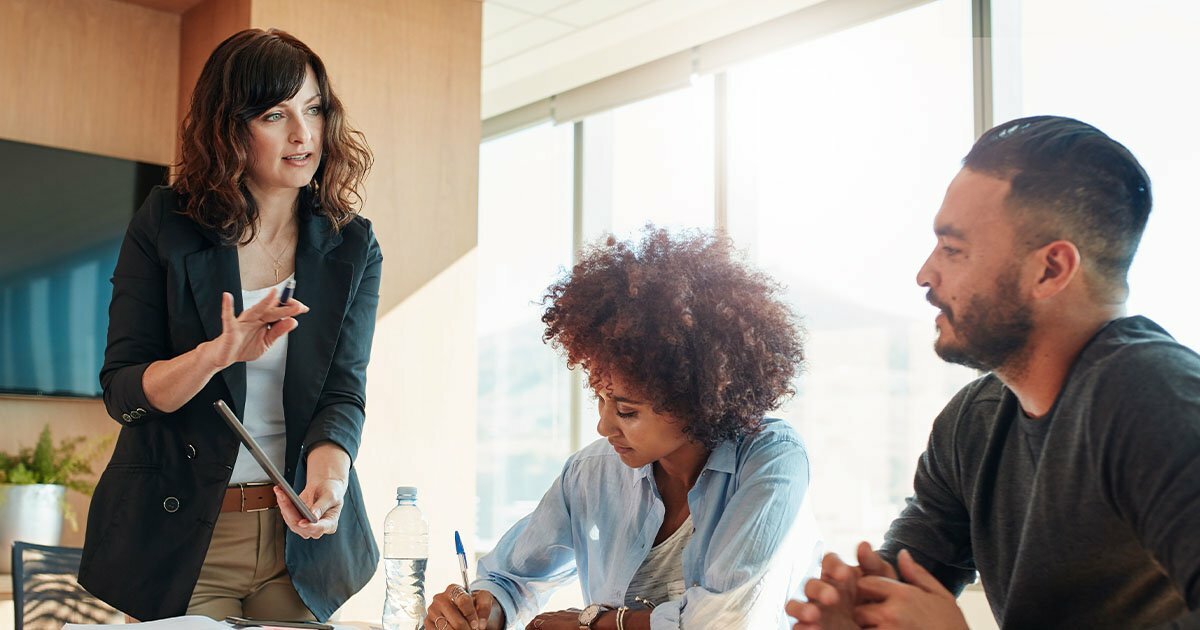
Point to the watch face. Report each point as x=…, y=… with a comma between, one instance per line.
x=589, y=614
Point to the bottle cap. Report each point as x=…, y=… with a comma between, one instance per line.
x=406, y=492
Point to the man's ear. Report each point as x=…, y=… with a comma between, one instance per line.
x=1057, y=264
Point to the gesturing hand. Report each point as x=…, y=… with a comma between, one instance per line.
x=249, y=335
x=922, y=602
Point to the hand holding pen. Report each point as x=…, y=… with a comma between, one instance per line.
x=458, y=607
x=248, y=335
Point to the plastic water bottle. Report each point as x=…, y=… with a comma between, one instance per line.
x=405, y=552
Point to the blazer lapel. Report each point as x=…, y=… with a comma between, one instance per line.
x=213, y=271
x=323, y=284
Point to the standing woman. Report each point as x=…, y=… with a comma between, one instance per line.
x=183, y=520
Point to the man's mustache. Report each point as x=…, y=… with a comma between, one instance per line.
x=941, y=306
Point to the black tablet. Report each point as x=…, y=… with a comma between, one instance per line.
x=260, y=456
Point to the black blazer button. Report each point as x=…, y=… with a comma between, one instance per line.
x=141, y=411
x=134, y=414
x=171, y=504
x=126, y=417
x=191, y=451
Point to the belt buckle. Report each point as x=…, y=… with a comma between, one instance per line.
x=242, y=490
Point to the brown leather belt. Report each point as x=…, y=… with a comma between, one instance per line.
x=249, y=497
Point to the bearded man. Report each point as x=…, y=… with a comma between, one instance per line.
x=1068, y=476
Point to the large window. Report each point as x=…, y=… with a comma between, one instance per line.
x=525, y=200
x=834, y=162
x=841, y=150
x=1121, y=66
x=653, y=161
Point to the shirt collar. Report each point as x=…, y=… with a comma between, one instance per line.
x=721, y=459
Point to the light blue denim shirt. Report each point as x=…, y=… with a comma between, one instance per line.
x=750, y=549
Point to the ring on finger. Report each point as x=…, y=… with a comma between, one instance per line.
x=437, y=623
x=537, y=623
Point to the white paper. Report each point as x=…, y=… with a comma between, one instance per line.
x=190, y=622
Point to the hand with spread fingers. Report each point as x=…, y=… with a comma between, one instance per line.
x=832, y=598
x=247, y=336
x=456, y=609
x=557, y=620
x=919, y=602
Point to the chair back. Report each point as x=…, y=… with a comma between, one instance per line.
x=46, y=590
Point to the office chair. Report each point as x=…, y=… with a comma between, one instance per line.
x=46, y=592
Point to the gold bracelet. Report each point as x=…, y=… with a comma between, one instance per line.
x=621, y=617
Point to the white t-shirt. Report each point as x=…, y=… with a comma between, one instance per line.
x=660, y=578
x=263, y=416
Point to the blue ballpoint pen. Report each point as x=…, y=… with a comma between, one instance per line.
x=462, y=560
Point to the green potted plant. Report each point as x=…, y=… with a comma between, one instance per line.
x=33, y=490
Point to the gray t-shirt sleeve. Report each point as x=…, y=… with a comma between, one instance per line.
x=1147, y=449
x=935, y=526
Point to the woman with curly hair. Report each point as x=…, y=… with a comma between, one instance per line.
x=183, y=520
x=686, y=514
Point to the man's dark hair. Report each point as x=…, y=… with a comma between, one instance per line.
x=1072, y=182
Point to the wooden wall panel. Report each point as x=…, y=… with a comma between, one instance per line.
x=170, y=6
x=97, y=76
x=204, y=26
x=408, y=72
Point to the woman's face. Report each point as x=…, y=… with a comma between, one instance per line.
x=638, y=434
x=285, y=140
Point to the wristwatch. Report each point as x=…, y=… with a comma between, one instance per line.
x=589, y=615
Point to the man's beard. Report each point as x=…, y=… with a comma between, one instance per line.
x=992, y=331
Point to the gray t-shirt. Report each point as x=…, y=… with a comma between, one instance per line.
x=1086, y=518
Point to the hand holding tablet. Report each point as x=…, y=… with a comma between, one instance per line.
x=260, y=456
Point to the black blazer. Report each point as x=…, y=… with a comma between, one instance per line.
x=153, y=512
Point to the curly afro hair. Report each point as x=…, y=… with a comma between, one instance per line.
x=702, y=337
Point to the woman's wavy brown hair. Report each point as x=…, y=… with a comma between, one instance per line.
x=699, y=334
x=246, y=75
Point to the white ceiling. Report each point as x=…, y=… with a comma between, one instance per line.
x=535, y=48
x=512, y=27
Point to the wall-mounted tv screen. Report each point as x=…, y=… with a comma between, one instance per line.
x=63, y=215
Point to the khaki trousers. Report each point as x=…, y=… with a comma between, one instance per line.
x=244, y=575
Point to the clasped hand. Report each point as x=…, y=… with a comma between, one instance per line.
x=870, y=595
x=249, y=335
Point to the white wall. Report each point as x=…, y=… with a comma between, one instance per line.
x=420, y=427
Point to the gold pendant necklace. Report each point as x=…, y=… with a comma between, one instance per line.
x=275, y=260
